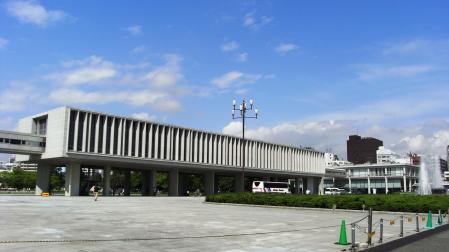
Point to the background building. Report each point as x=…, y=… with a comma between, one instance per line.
x=362, y=150
x=386, y=156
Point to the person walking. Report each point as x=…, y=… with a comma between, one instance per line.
x=95, y=189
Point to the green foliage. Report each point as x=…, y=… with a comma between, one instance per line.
x=19, y=179
x=395, y=203
x=225, y=184
x=57, y=179
x=136, y=181
x=162, y=181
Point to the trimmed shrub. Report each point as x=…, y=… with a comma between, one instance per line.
x=394, y=203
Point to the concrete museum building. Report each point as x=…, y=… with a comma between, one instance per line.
x=76, y=138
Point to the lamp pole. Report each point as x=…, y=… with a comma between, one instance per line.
x=242, y=109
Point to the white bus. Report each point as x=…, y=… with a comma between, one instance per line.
x=270, y=187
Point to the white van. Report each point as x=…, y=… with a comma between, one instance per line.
x=270, y=187
x=332, y=191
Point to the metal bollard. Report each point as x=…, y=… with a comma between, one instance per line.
x=381, y=230
x=401, y=221
x=417, y=222
x=370, y=225
x=352, y=237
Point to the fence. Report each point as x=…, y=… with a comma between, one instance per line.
x=396, y=226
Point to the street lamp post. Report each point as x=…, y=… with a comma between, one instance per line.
x=242, y=108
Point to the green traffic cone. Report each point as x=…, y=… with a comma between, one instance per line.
x=440, y=218
x=429, y=220
x=343, y=239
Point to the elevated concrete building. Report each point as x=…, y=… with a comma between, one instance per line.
x=76, y=138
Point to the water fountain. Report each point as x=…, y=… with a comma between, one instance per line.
x=429, y=175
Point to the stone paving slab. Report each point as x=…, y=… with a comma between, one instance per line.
x=170, y=224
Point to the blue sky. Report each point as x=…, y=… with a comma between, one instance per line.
x=318, y=70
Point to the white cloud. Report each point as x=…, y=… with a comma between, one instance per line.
x=134, y=30
x=373, y=72
x=162, y=101
x=167, y=75
x=3, y=42
x=139, y=49
x=331, y=135
x=18, y=97
x=230, y=46
x=235, y=79
x=242, y=57
x=405, y=47
x=32, y=12
x=87, y=71
x=144, y=116
x=285, y=48
x=254, y=22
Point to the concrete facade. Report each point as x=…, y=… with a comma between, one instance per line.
x=76, y=138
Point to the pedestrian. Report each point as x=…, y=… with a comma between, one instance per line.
x=95, y=189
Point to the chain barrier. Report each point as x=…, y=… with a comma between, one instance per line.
x=419, y=220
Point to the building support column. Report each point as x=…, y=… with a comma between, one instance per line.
x=297, y=185
x=350, y=184
x=312, y=185
x=386, y=185
x=304, y=185
x=43, y=178
x=72, y=179
x=149, y=183
x=410, y=185
x=405, y=184
x=209, y=183
x=127, y=183
x=183, y=184
x=107, y=180
x=321, y=186
x=369, y=185
x=239, y=183
x=173, y=182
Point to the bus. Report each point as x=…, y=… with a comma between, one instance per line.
x=270, y=187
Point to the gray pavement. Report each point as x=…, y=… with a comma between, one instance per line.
x=434, y=243
x=171, y=224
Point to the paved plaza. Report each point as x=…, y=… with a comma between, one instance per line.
x=170, y=224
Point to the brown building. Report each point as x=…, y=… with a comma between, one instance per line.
x=362, y=150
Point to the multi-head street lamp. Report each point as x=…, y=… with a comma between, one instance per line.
x=242, y=110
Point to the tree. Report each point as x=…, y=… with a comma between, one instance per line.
x=19, y=179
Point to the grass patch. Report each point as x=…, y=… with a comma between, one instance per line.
x=394, y=203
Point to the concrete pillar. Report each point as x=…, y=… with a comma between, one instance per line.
x=386, y=185
x=127, y=183
x=350, y=184
x=209, y=183
x=148, y=182
x=183, y=184
x=321, y=186
x=410, y=185
x=312, y=185
x=107, y=180
x=72, y=179
x=369, y=186
x=173, y=182
x=43, y=178
x=239, y=183
x=405, y=179
x=405, y=184
x=304, y=185
x=297, y=185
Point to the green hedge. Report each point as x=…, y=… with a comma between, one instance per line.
x=395, y=203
